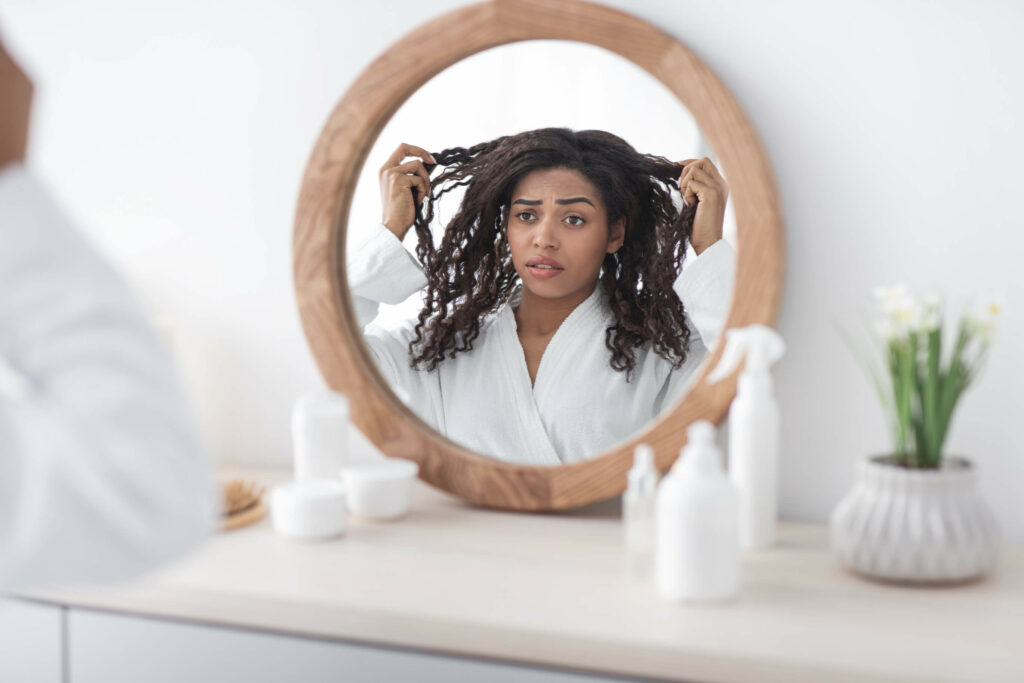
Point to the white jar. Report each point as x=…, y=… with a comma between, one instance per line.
x=380, y=489
x=309, y=510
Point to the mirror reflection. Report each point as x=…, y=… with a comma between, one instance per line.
x=541, y=288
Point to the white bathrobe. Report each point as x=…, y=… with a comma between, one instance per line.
x=578, y=407
x=102, y=475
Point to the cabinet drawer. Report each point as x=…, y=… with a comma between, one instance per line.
x=30, y=642
x=111, y=648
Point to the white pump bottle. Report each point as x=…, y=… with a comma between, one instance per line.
x=753, y=430
x=697, y=545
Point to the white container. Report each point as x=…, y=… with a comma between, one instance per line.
x=380, y=489
x=308, y=510
x=753, y=431
x=696, y=547
x=638, y=512
x=320, y=435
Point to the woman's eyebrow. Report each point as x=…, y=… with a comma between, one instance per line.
x=535, y=202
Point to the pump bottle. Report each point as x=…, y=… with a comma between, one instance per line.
x=753, y=430
x=696, y=546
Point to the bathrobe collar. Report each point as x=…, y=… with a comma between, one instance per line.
x=590, y=317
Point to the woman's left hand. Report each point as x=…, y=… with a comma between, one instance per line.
x=700, y=181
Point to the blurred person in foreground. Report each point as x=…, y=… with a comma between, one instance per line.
x=102, y=476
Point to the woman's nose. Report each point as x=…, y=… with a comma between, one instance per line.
x=544, y=235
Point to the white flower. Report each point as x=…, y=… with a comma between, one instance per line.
x=887, y=330
x=931, y=312
x=981, y=319
x=899, y=312
x=891, y=296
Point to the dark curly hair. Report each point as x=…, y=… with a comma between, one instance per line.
x=471, y=272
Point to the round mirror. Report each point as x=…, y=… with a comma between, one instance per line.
x=540, y=384
x=562, y=291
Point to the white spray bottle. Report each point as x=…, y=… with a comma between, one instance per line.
x=753, y=430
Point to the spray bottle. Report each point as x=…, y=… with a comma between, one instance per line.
x=753, y=430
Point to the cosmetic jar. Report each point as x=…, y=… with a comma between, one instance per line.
x=379, y=489
x=308, y=510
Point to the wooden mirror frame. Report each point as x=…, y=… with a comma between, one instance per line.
x=329, y=183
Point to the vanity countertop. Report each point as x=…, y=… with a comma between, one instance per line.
x=551, y=589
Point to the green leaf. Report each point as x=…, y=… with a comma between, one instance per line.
x=869, y=363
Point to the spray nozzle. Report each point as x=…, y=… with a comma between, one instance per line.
x=759, y=343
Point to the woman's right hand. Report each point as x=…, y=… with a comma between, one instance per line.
x=396, y=181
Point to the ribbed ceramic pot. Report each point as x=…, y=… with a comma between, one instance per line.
x=915, y=525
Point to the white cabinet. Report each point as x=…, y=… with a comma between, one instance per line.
x=112, y=648
x=30, y=642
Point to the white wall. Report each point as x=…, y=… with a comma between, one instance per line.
x=178, y=137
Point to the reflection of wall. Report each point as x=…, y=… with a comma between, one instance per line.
x=179, y=135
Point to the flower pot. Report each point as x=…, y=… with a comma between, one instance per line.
x=924, y=526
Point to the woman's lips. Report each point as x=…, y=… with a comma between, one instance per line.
x=544, y=273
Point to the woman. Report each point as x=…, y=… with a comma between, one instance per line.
x=556, y=322
x=102, y=473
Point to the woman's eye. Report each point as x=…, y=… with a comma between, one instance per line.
x=579, y=220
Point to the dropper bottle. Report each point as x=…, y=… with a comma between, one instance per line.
x=638, y=512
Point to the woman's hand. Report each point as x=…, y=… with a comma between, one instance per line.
x=700, y=181
x=15, y=105
x=396, y=181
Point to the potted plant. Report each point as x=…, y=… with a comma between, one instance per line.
x=914, y=514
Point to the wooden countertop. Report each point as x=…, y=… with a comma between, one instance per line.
x=551, y=589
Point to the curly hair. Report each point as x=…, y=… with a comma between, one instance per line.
x=471, y=272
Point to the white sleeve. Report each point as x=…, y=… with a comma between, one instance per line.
x=102, y=476
x=381, y=270
x=705, y=288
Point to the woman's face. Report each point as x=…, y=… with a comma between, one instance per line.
x=557, y=214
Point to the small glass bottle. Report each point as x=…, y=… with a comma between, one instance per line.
x=638, y=513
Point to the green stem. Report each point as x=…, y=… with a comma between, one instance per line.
x=951, y=384
x=897, y=396
x=929, y=400
x=908, y=380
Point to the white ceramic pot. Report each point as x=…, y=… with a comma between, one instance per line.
x=915, y=525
